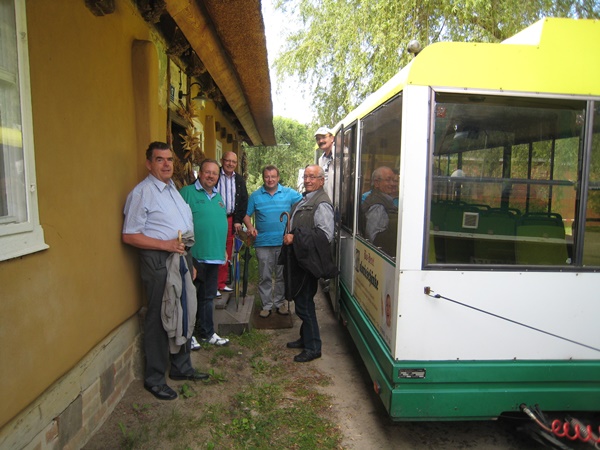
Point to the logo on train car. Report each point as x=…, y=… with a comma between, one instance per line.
x=374, y=289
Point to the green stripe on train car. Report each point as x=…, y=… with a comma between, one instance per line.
x=468, y=390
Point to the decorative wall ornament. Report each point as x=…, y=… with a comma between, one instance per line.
x=196, y=66
x=179, y=45
x=100, y=7
x=151, y=10
x=193, y=146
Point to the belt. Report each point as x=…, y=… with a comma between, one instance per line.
x=229, y=215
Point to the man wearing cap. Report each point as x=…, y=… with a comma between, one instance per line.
x=324, y=138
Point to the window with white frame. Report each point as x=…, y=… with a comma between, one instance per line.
x=20, y=231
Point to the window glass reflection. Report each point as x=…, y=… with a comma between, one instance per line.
x=505, y=173
x=379, y=168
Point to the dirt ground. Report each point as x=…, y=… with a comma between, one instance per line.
x=355, y=408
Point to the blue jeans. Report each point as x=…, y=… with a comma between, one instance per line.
x=305, y=309
x=206, y=289
x=270, y=287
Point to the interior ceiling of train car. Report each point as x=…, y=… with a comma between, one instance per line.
x=485, y=128
x=223, y=46
x=474, y=122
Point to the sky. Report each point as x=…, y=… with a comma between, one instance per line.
x=288, y=100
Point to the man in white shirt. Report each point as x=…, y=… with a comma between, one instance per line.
x=155, y=214
x=325, y=138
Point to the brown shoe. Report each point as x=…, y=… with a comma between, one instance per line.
x=283, y=309
x=265, y=313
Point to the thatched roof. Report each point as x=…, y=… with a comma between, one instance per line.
x=229, y=38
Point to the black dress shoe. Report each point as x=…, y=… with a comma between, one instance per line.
x=307, y=356
x=161, y=391
x=195, y=376
x=295, y=344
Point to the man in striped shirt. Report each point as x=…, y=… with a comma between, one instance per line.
x=232, y=188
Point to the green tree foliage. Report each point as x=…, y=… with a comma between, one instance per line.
x=345, y=49
x=295, y=149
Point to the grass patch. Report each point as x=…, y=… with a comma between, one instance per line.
x=268, y=416
x=135, y=438
x=278, y=407
x=252, y=340
x=261, y=401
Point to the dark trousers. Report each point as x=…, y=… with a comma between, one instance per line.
x=305, y=309
x=206, y=288
x=156, y=342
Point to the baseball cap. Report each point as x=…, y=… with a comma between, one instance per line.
x=324, y=131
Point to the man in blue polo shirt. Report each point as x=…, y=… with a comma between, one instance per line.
x=267, y=203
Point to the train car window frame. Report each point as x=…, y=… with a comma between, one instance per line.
x=20, y=231
x=506, y=173
x=380, y=147
x=590, y=231
x=347, y=175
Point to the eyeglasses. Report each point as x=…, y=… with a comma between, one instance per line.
x=311, y=177
x=232, y=161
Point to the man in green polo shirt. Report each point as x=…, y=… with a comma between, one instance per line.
x=208, y=252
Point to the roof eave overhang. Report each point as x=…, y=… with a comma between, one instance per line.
x=197, y=26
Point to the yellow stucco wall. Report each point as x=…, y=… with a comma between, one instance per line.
x=93, y=117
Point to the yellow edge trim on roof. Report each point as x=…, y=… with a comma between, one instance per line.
x=554, y=56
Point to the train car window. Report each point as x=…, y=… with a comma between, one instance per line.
x=505, y=178
x=348, y=162
x=591, y=242
x=379, y=168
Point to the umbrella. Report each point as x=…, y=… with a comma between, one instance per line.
x=288, y=264
x=237, y=245
x=182, y=271
x=246, y=241
x=246, y=259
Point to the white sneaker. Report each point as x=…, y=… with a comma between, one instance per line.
x=217, y=340
x=218, y=294
x=195, y=345
x=227, y=289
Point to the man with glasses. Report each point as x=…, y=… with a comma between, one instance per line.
x=208, y=252
x=379, y=213
x=232, y=188
x=267, y=204
x=307, y=251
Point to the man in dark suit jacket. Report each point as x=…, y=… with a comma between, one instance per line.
x=232, y=188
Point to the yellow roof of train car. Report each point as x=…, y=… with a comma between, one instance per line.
x=554, y=56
